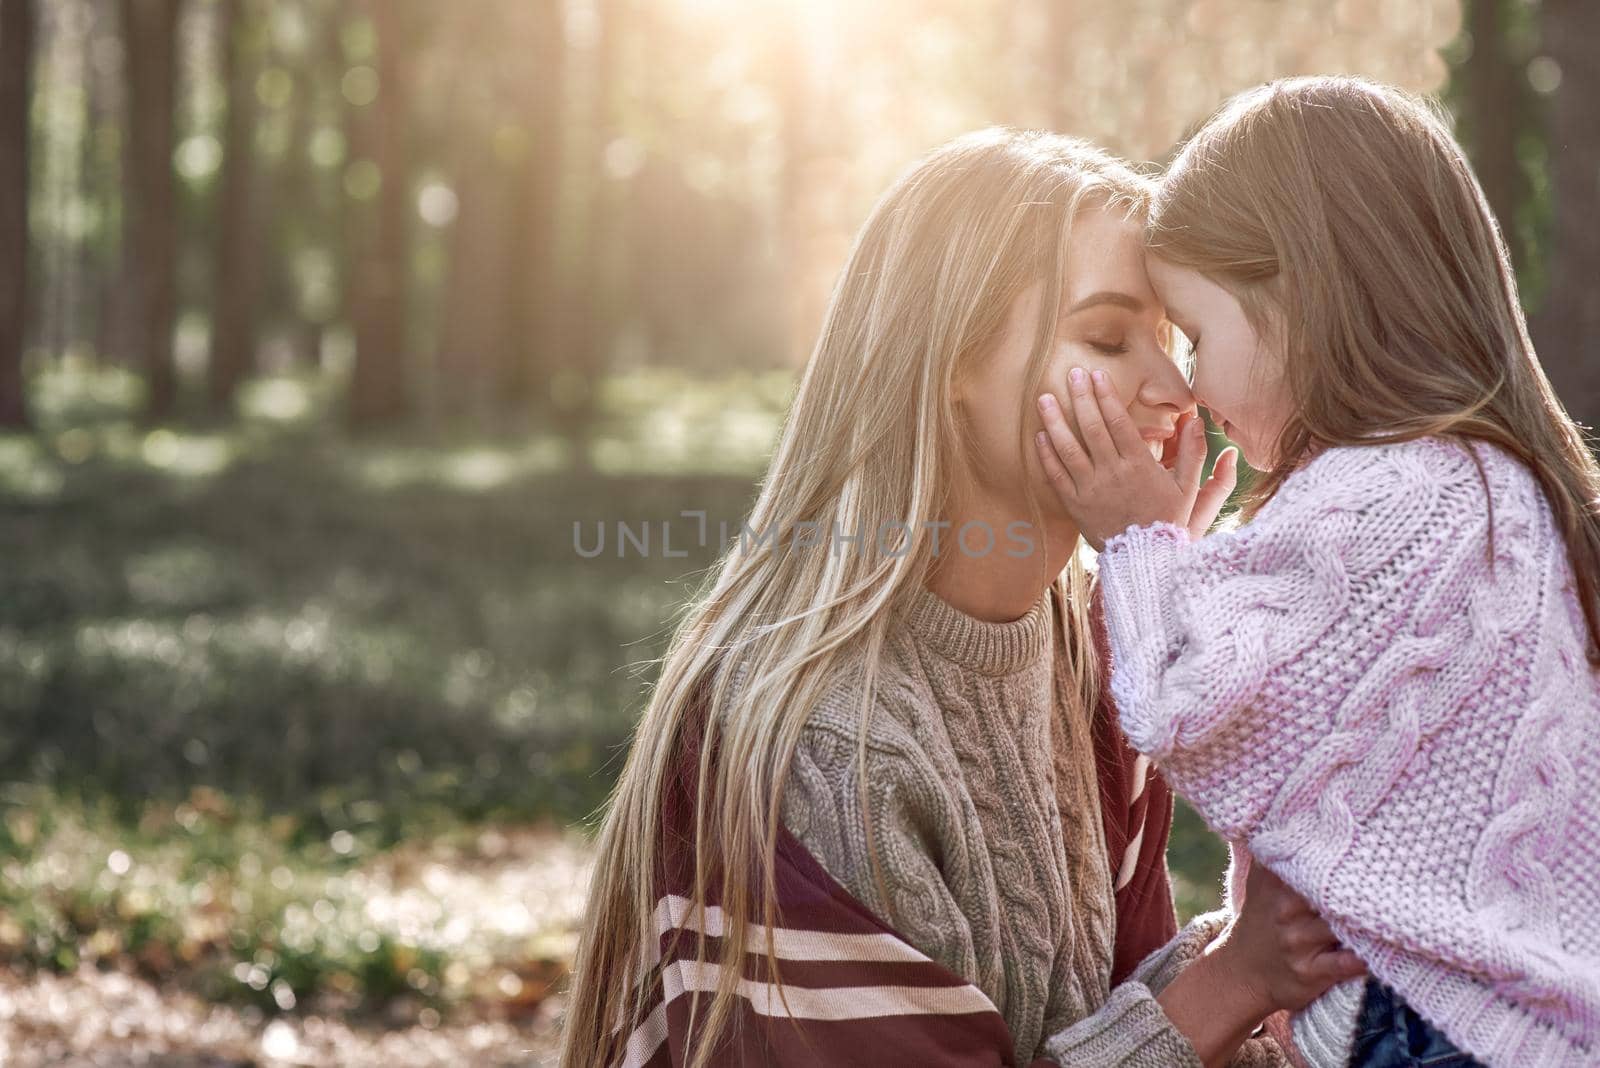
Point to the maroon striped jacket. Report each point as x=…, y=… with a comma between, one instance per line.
x=854, y=991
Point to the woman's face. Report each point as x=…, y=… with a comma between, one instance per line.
x=1111, y=319
x=1237, y=377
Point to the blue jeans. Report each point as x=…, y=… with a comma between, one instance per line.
x=1390, y=1034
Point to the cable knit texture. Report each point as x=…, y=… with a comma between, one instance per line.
x=986, y=821
x=1398, y=719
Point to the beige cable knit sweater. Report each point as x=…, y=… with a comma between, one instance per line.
x=986, y=817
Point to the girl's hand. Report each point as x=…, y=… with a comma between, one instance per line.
x=1279, y=947
x=1109, y=482
x=1277, y=955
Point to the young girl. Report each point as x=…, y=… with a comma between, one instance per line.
x=1384, y=683
x=861, y=820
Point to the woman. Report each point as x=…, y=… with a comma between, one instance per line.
x=872, y=757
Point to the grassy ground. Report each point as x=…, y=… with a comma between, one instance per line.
x=254, y=673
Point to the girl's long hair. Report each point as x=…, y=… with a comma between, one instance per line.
x=872, y=439
x=1347, y=221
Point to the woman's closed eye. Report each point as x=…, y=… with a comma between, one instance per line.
x=1110, y=348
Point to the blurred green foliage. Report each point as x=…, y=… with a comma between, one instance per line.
x=359, y=633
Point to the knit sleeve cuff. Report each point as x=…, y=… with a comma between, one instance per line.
x=1130, y=1030
x=1162, y=966
x=1260, y=1052
x=1323, y=1033
x=1136, y=581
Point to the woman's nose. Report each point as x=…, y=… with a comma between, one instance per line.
x=1165, y=387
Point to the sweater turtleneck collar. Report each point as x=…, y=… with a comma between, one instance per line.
x=978, y=644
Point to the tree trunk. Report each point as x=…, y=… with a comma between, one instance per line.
x=1495, y=95
x=1058, y=47
x=107, y=90
x=800, y=112
x=1567, y=328
x=233, y=320
x=320, y=189
x=379, y=312
x=16, y=68
x=150, y=30
x=302, y=184
x=585, y=351
x=476, y=307
x=534, y=184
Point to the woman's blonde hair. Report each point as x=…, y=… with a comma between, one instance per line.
x=872, y=439
x=1347, y=221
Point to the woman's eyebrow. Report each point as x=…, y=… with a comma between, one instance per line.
x=1108, y=296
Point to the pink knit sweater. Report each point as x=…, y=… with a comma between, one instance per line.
x=1404, y=730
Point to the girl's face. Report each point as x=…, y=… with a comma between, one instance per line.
x=1109, y=318
x=1237, y=376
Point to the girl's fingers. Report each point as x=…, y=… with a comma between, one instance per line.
x=1119, y=424
x=1214, y=494
x=1068, y=453
x=1091, y=424
x=1340, y=964
x=1191, y=457
x=1057, y=475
